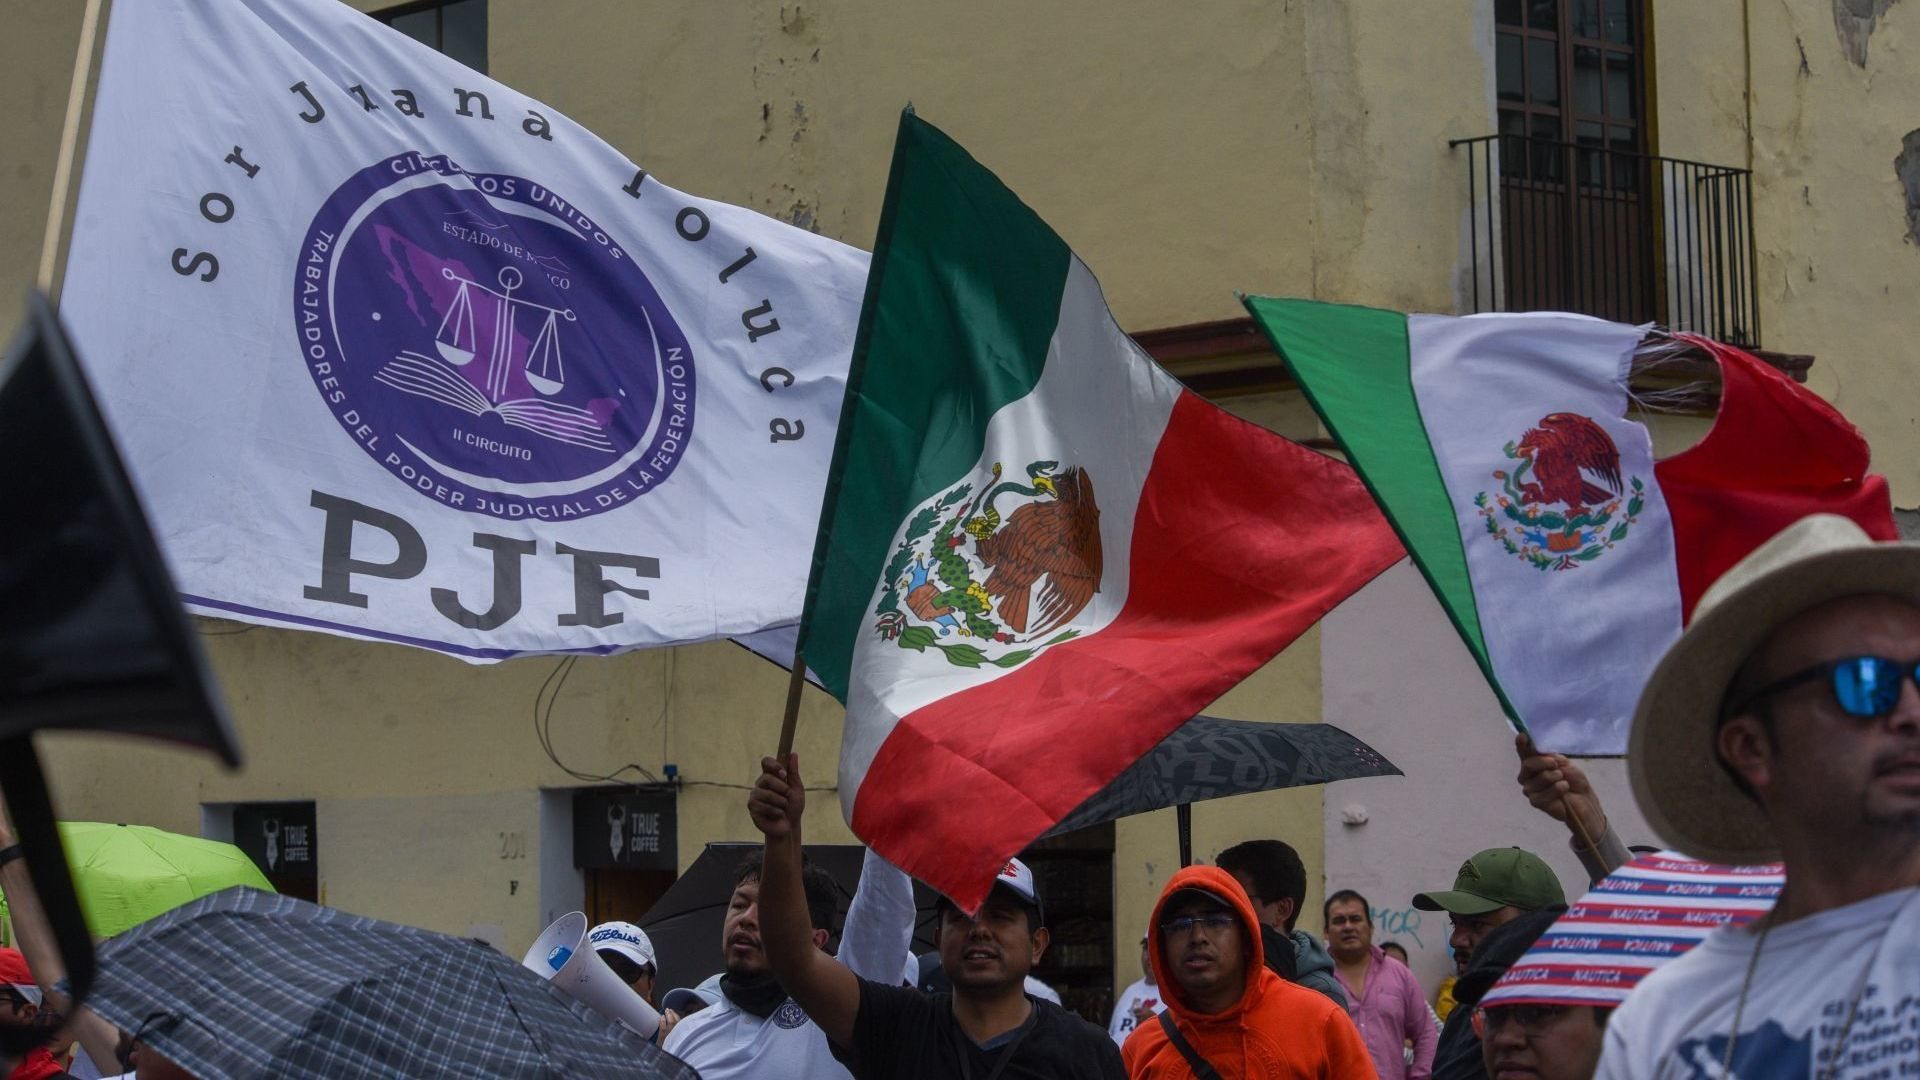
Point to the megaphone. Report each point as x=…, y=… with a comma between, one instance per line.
x=562, y=955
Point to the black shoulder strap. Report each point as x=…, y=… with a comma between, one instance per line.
x=1202, y=1068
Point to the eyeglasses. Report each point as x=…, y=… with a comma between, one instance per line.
x=1211, y=924
x=1533, y=1019
x=1864, y=687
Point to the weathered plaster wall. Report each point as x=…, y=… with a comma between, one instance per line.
x=36, y=69
x=1167, y=143
x=1830, y=121
x=1391, y=84
x=1854, y=21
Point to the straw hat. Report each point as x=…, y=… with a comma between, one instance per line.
x=1677, y=779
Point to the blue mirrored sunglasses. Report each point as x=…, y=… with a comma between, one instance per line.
x=1864, y=687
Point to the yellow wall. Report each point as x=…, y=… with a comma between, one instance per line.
x=1186, y=151
x=457, y=871
x=1836, y=268
x=37, y=48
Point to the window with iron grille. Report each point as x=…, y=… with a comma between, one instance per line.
x=1576, y=186
x=455, y=27
x=1570, y=71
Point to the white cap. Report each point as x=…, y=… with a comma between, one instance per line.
x=624, y=938
x=1017, y=876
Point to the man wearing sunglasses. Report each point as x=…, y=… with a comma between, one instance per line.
x=1785, y=724
x=1226, y=1011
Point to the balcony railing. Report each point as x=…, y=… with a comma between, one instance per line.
x=1625, y=236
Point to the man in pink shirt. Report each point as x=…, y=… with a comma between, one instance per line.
x=1386, y=1000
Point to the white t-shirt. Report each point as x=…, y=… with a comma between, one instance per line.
x=725, y=1041
x=1674, y=1026
x=1122, y=1023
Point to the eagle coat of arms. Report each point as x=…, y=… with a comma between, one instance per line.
x=1560, y=506
x=992, y=578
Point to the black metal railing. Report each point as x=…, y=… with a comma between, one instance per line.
x=1626, y=236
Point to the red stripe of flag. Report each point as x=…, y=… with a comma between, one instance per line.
x=1776, y=453
x=1625, y=916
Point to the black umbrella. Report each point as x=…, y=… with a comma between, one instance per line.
x=1205, y=758
x=684, y=925
x=244, y=983
x=1210, y=758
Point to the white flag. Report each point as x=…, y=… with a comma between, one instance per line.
x=399, y=353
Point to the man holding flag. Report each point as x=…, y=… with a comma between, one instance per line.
x=988, y=1027
x=1040, y=554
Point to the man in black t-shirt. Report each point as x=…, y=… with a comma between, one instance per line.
x=989, y=1028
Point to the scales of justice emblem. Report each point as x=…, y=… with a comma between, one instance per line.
x=489, y=344
x=543, y=366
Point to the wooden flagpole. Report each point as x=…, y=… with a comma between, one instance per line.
x=1578, y=825
x=69, y=148
x=791, y=720
x=843, y=438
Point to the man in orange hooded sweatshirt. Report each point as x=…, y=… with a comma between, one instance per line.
x=1226, y=1011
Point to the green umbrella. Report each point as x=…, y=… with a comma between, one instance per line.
x=127, y=874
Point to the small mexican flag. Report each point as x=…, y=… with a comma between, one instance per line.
x=1040, y=553
x=1566, y=556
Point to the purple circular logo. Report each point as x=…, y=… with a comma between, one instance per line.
x=490, y=345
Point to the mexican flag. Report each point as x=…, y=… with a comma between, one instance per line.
x=1040, y=553
x=1567, y=557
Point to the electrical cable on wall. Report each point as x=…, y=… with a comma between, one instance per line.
x=545, y=698
x=549, y=693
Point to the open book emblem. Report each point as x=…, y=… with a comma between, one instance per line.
x=438, y=378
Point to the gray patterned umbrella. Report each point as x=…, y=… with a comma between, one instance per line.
x=244, y=983
x=1210, y=758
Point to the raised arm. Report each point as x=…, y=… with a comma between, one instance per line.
x=100, y=1039
x=1560, y=789
x=878, y=936
x=821, y=985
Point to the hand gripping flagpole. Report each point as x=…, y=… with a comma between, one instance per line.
x=69, y=148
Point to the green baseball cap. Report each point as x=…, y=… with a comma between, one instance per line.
x=1494, y=879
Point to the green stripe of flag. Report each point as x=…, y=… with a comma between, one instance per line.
x=1355, y=366
x=962, y=299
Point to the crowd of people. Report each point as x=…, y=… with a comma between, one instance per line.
x=1783, y=725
